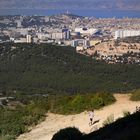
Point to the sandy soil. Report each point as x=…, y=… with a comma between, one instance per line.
x=54, y=122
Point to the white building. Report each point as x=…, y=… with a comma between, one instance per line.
x=20, y=40
x=80, y=42
x=86, y=31
x=21, y=31
x=19, y=25
x=64, y=34
x=29, y=38
x=47, y=19
x=43, y=36
x=57, y=35
x=126, y=33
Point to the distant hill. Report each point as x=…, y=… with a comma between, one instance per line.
x=69, y=15
x=51, y=69
x=73, y=16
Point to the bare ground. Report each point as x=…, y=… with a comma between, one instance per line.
x=53, y=122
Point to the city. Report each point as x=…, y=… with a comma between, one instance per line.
x=69, y=69
x=94, y=37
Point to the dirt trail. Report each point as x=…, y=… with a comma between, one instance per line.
x=54, y=122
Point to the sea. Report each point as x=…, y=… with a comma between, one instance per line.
x=85, y=13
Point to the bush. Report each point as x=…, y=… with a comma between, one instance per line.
x=126, y=113
x=78, y=103
x=68, y=134
x=107, y=98
x=109, y=120
x=97, y=102
x=14, y=122
x=7, y=137
x=135, y=95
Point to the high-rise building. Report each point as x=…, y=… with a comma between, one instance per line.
x=19, y=22
x=66, y=34
x=29, y=38
x=19, y=25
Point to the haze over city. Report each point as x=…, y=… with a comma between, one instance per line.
x=72, y=4
x=97, y=8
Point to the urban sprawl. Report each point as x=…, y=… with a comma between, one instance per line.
x=108, y=39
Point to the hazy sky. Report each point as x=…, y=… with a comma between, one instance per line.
x=71, y=4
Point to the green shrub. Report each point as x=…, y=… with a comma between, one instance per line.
x=126, y=113
x=68, y=134
x=107, y=98
x=79, y=103
x=97, y=102
x=109, y=120
x=14, y=122
x=7, y=137
x=47, y=68
x=135, y=95
x=61, y=104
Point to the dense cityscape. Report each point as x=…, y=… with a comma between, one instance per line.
x=101, y=38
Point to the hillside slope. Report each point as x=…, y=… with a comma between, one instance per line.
x=44, y=68
x=54, y=122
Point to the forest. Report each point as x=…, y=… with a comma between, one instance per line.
x=49, y=77
x=51, y=69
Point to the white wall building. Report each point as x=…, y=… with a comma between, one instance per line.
x=126, y=33
x=57, y=35
x=21, y=31
x=43, y=36
x=20, y=40
x=80, y=42
x=60, y=35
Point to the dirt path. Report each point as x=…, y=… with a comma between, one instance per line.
x=53, y=123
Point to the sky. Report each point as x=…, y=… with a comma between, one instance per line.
x=97, y=8
x=71, y=4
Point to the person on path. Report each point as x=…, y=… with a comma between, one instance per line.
x=91, y=115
